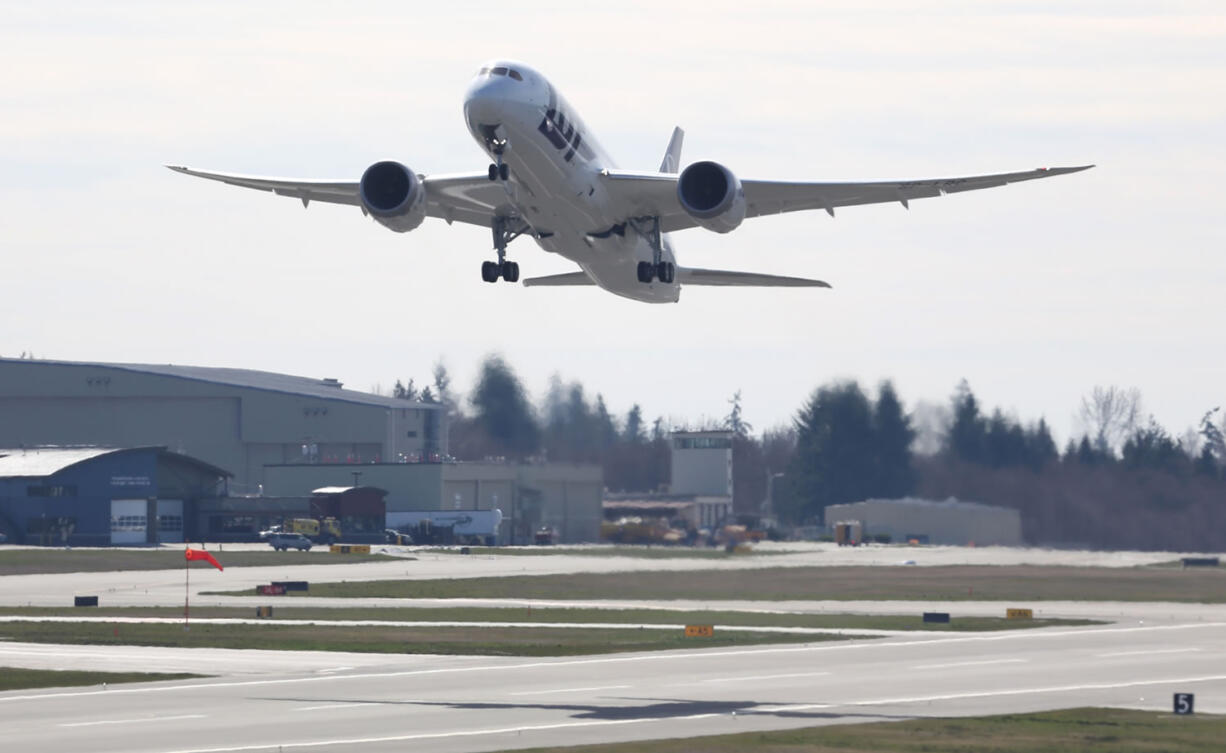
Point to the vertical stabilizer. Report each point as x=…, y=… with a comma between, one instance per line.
x=672, y=155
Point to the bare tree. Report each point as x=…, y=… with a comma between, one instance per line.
x=931, y=422
x=1109, y=414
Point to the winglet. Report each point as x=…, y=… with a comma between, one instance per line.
x=672, y=155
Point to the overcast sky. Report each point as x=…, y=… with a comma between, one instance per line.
x=1034, y=293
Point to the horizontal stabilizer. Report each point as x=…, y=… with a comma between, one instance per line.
x=690, y=276
x=570, y=278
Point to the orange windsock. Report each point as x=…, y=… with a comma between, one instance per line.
x=200, y=554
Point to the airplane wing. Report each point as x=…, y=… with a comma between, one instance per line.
x=693, y=276
x=464, y=197
x=655, y=194
x=725, y=278
x=570, y=278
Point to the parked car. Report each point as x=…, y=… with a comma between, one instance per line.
x=399, y=538
x=283, y=541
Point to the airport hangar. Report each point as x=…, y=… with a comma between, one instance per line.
x=282, y=437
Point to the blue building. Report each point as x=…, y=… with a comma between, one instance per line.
x=97, y=496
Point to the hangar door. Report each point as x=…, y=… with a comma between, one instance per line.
x=129, y=520
x=170, y=521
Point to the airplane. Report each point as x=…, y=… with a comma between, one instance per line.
x=550, y=180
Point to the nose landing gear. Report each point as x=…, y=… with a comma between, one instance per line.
x=499, y=171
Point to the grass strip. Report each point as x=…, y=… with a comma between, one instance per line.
x=45, y=561
x=483, y=640
x=721, y=619
x=1087, y=730
x=1018, y=584
x=16, y=678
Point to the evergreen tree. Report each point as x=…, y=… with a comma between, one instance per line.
x=893, y=436
x=502, y=411
x=1086, y=454
x=834, y=460
x=967, y=437
x=633, y=433
x=1206, y=463
x=605, y=427
x=1040, y=447
x=734, y=422
x=404, y=391
x=1152, y=447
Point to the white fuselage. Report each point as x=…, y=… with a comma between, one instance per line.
x=555, y=184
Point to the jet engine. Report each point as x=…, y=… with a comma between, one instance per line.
x=393, y=195
x=712, y=195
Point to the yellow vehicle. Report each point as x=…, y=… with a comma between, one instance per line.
x=326, y=531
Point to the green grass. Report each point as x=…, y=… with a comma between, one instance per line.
x=479, y=639
x=1020, y=585
x=1087, y=730
x=14, y=678
x=42, y=561
x=721, y=619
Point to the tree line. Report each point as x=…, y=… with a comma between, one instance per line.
x=1125, y=481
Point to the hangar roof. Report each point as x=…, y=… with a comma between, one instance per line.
x=325, y=389
x=39, y=462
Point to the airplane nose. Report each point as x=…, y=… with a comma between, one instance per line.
x=482, y=99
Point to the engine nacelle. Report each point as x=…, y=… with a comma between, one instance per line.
x=712, y=195
x=393, y=195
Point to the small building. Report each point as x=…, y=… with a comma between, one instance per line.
x=359, y=510
x=951, y=522
x=103, y=496
x=562, y=496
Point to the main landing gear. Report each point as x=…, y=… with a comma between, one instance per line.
x=657, y=268
x=664, y=271
x=507, y=270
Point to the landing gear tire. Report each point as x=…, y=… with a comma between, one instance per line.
x=493, y=171
x=504, y=171
x=646, y=271
x=507, y=270
x=665, y=271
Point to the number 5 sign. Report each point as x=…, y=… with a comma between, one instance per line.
x=1183, y=703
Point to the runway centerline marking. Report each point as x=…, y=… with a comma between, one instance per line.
x=1150, y=652
x=331, y=706
x=769, y=677
x=134, y=721
x=572, y=690
x=982, y=663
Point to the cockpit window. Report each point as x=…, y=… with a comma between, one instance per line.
x=515, y=75
x=499, y=71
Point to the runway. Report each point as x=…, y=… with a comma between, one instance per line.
x=339, y=702
x=291, y=701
